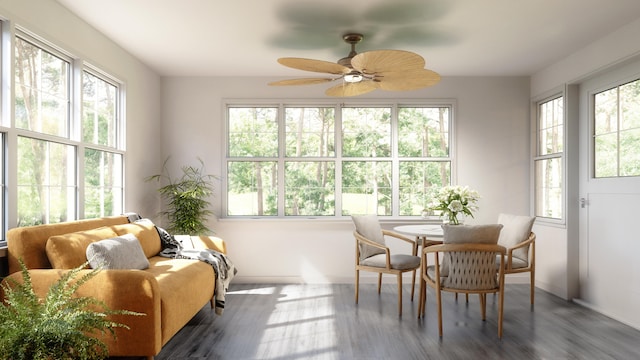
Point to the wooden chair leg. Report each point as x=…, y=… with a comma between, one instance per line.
x=357, y=284
x=533, y=285
x=413, y=283
x=500, y=312
x=400, y=294
x=439, y=301
x=420, y=296
x=483, y=305
x=379, y=282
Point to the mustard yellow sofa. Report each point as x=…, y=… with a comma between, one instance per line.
x=170, y=292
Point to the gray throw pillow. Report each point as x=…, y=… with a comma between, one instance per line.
x=123, y=252
x=369, y=227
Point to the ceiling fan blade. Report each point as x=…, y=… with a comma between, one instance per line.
x=314, y=65
x=371, y=62
x=407, y=80
x=303, y=81
x=352, y=89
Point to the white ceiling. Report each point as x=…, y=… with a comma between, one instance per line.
x=456, y=37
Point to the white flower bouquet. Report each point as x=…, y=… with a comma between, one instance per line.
x=454, y=200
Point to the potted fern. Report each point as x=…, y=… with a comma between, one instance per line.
x=60, y=326
x=186, y=199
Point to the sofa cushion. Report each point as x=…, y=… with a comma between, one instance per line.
x=68, y=251
x=122, y=252
x=145, y=231
x=185, y=285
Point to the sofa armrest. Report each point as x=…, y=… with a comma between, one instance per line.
x=133, y=290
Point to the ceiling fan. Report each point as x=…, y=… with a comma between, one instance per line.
x=394, y=70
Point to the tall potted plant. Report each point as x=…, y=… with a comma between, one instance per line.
x=186, y=199
x=61, y=326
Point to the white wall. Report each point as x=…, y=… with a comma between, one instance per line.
x=60, y=27
x=492, y=121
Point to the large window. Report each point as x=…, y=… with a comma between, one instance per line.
x=617, y=131
x=548, y=161
x=335, y=160
x=58, y=149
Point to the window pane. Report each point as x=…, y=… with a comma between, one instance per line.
x=550, y=127
x=606, y=155
x=41, y=90
x=366, y=187
x=46, y=182
x=252, y=188
x=366, y=132
x=630, y=153
x=103, y=188
x=423, y=132
x=310, y=188
x=310, y=132
x=253, y=132
x=549, y=188
x=606, y=112
x=630, y=106
x=99, y=111
x=617, y=131
x=416, y=180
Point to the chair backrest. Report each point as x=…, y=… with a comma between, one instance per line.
x=464, y=234
x=517, y=229
x=472, y=267
x=369, y=227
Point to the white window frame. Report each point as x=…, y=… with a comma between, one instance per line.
x=74, y=132
x=394, y=158
x=536, y=156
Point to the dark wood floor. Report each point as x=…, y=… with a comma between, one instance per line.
x=288, y=322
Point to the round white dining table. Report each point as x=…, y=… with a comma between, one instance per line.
x=423, y=230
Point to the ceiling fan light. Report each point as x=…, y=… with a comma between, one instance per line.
x=353, y=77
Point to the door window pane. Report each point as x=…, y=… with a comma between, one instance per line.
x=617, y=131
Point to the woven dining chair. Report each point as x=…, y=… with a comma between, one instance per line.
x=373, y=254
x=464, y=263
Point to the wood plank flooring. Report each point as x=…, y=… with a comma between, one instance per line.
x=288, y=322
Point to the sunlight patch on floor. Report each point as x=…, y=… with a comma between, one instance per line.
x=302, y=325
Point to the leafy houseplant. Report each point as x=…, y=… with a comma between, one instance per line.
x=452, y=201
x=57, y=327
x=186, y=199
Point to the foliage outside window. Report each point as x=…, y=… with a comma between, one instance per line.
x=334, y=160
x=548, y=162
x=617, y=131
x=50, y=153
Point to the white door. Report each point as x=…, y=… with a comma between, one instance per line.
x=609, y=213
